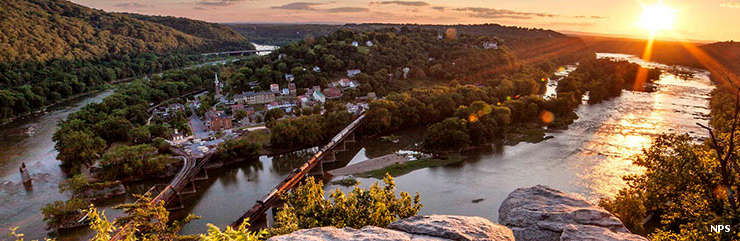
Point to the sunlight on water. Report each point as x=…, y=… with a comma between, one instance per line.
x=639, y=117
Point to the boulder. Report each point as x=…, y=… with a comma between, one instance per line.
x=418, y=228
x=336, y=234
x=453, y=227
x=542, y=213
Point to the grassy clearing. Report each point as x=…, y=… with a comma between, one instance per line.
x=407, y=167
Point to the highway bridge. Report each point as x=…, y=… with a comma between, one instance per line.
x=236, y=52
x=325, y=154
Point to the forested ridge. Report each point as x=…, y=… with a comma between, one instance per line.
x=196, y=28
x=53, y=50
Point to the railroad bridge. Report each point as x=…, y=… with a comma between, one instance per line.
x=314, y=166
x=184, y=182
x=236, y=52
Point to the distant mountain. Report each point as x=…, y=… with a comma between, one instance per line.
x=196, y=28
x=670, y=52
x=41, y=30
x=281, y=34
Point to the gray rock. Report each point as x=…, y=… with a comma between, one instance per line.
x=589, y=232
x=365, y=234
x=541, y=213
x=454, y=228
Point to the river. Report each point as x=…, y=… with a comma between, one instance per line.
x=20, y=206
x=588, y=158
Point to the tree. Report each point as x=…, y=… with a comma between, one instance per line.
x=450, y=134
x=78, y=148
x=307, y=207
x=274, y=114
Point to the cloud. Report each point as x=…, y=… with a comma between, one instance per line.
x=307, y=6
x=298, y=6
x=597, y=17
x=217, y=2
x=491, y=13
x=132, y=5
x=439, y=8
x=404, y=3
x=347, y=10
x=730, y=4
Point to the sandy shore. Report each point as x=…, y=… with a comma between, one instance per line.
x=370, y=165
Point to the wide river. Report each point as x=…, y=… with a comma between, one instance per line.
x=588, y=158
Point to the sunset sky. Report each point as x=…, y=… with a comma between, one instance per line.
x=694, y=19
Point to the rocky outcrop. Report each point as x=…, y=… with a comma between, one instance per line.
x=541, y=213
x=429, y=227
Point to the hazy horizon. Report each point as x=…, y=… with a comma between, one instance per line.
x=713, y=20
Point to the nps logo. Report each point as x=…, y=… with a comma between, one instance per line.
x=720, y=228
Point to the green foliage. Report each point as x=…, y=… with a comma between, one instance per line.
x=241, y=233
x=681, y=193
x=605, y=79
x=78, y=148
x=132, y=162
x=308, y=130
x=63, y=213
x=14, y=235
x=241, y=148
x=307, y=207
x=450, y=134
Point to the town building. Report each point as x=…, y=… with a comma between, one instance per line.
x=254, y=98
x=369, y=43
x=285, y=91
x=289, y=77
x=218, y=86
x=352, y=72
x=217, y=120
x=332, y=93
x=318, y=96
x=292, y=89
x=316, y=69
x=345, y=84
x=355, y=43
x=490, y=45
x=275, y=88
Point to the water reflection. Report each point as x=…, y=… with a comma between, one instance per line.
x=588, y=158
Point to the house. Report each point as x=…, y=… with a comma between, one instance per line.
x=355, y=43
x=406, y=71
x=275, y=88
x=217, y=120
x=289, y=77
x=332, y=93
x=292, y=89
x=285, y=91
x=316, y=88
x=303, y=99
x=345, y=83
x=281, y=56
x=285, y=105
x=352, y=72
x=255, y=98
x=369, y=43
x=236, y=108
x=316, y=69
x=490, y=45
x=371, y=96
x=318, y=96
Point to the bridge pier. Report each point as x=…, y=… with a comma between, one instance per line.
x=179, y=201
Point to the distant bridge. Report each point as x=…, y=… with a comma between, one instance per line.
x=325, y=154
x=236, y=52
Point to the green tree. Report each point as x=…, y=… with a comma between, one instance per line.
x=450, y=134
x=307, y=207
x=78, y=148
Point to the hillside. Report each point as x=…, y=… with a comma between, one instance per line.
x=196, y=28
x=41, y=30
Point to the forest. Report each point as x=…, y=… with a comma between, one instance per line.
x=54, y=50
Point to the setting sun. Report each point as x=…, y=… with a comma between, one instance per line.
x=657, y=17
